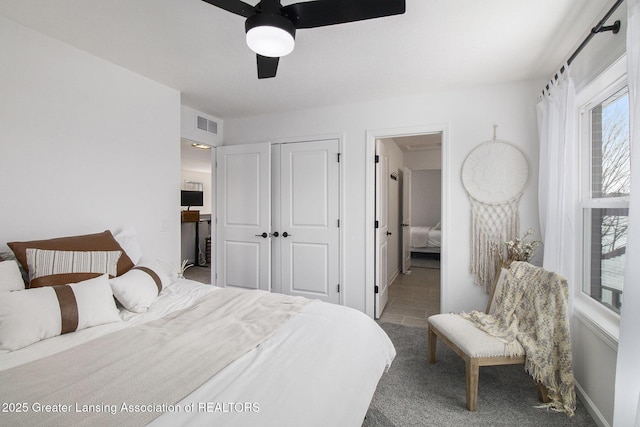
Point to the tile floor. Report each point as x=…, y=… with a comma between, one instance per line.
x=199, y=274
x=413, y=297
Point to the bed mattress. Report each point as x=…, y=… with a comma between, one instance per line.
x=321, y=367
x=425, y=237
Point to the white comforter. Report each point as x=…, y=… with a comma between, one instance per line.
x=320, y=368
x=422, y=237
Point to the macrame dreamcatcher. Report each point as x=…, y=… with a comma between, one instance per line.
x=495, y=174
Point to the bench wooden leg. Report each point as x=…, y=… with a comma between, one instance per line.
x=543, y=393
x=432, y=346
x=473, y=371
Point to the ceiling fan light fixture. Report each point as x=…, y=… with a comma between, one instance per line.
x=270, y=35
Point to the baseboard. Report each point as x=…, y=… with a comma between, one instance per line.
x=395, y=275
x=592, y=409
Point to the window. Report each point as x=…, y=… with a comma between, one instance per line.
x=605, y=204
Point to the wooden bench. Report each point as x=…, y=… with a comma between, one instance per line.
x=474, y=346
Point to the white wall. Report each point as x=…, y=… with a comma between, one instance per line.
x=425, y=197
x=423, y=159
x=469, y=115
x=189, y=129
x=85, y=146
x=594, y=369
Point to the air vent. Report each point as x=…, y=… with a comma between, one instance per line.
x=207, y=125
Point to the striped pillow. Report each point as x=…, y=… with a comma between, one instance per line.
x=51, y=267
x=138, y=288
x=32, y=315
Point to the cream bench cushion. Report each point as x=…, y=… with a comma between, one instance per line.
x=471, y=340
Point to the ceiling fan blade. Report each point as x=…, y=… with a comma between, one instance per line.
x=234, y=6
x=329, y=12
x=267, y=66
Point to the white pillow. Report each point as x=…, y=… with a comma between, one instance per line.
x=437, y=226
x=32, y=315
x=128, y=240
x=10, y=276
x=138, y=288
x=10, y=256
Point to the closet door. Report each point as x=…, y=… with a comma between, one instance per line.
x=244, y=216
x=309, y=212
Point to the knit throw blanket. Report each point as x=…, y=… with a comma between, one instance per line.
x=531, y=308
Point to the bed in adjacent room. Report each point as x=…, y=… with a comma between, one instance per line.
x=176, y=352
x=426, y=239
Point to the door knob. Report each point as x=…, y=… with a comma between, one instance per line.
x=285, y=234
x=389, y=233
x=275, y=234
x=404, y=225
x=263, y=235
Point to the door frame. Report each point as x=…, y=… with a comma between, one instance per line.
x=214, y=216
x=370, y=199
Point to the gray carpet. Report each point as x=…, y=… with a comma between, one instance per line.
x=414, y=393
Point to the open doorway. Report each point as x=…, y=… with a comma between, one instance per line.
x=421, y=207
x=409, y=195
x=414, y=207
x=195, y=231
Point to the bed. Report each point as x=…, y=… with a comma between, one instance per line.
x=426, y=239
x=318, y=364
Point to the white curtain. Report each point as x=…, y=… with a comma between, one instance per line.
x=628, y=365
x=557, y=178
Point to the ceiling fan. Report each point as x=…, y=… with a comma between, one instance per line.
x=271, y=27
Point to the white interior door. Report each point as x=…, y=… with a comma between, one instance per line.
x=309, y=232
x=244, y=216
x=406, y=219
x=276, y=228
x=382, y=228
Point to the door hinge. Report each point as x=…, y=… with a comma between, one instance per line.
x=339, y=157
x=376, y=289
x=377, y=159
x=377, y=224
x=338, y=287
x=338, y=223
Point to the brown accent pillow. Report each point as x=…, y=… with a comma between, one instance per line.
x=89, y=242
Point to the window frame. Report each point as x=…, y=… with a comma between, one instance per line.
x=602, y=320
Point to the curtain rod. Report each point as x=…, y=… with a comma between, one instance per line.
x=599, y=28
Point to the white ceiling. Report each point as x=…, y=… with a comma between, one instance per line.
x=437, y=44
x=424, y=142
